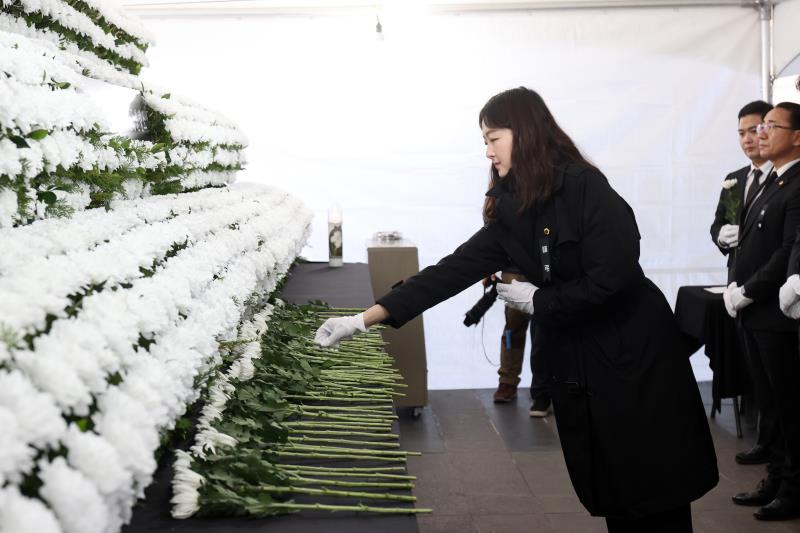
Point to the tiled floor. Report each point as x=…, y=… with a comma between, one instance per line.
x=491, y=468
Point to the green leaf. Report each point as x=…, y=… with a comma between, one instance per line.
x=38, y=135
x=48, y=197
x=19, y=141
x=64, y=85
x=166, y=96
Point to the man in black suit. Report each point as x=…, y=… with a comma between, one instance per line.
x=768, y=228
x=725, y=228
x=739, y=187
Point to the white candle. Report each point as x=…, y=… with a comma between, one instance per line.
x=335, y=235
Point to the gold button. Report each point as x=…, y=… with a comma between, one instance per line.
x=547, y=231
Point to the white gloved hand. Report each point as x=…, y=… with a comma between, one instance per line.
x=728, y=236
x=339, y=329
x=794, y=311
x=517, y=295
x=788, y=295
x=726, y=297
x=735, y=299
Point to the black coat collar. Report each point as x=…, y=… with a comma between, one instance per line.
x=770, y=189
x=503, y=185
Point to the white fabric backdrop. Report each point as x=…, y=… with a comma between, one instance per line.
x=389, y=128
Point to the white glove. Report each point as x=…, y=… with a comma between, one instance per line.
x=734, y=299
x=517, y=295
x=794, y=311
x=788, y=295
x=726, y=298
x=728, y=236
x=339, y=329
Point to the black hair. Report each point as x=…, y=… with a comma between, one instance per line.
x=794, y=113
x=759, y=107
x=539, y=145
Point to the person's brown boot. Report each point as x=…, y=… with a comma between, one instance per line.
x=505, y=393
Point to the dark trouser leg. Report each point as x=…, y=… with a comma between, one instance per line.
x=779, y=354
x=540, y=382
x=761, y=396
x=769, y=433
x=515, y=330
x=675, y=521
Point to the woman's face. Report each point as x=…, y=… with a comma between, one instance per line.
x=498, y=148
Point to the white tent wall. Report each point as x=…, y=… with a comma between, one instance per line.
x=389, y=130
x=786, y=49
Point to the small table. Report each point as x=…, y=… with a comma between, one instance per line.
x=702, y=317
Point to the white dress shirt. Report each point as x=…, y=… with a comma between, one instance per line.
x=765, y=169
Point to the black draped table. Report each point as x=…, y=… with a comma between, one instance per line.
x=347, y=286
x=702, y=317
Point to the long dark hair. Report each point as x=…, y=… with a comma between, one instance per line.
x=538, y=149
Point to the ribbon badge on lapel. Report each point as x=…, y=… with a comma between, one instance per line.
x=544, y=243
x=780, y=183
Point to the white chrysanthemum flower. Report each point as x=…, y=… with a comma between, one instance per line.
x=54, y=375
x=16, y=457
x=134, y=448
x=20, y=514
x=73, y=498
x=729, y=184
x=97, y=460
x=186, y=485
x=8, y=198
x=38, y=417
x=209, y=439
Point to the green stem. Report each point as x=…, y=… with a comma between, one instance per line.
x=361, y=508
x=274, y=489
x=350, y=474
x=345, y=441
x=340, y=425
x=335, y=398
x=339, y=456
x=323, y=432
x=336, y=449
x=299, y=480
x=343, y=470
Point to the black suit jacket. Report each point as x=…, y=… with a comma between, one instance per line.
x=766, y=237
x=611, y=342
x=719, y=216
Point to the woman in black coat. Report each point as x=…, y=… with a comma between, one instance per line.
x=630, y=418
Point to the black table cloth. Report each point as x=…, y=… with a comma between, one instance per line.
x=702, y=318
x=347, y=286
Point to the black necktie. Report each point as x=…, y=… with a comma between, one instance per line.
x=754, y=186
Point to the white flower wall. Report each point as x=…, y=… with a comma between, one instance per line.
x=108, y=337
x=115, y=291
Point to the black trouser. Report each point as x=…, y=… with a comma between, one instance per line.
x=675, y=521
x=540, y=382
x=775, y=368
x=764, y=405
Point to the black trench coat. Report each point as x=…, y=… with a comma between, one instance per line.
x=630, y=418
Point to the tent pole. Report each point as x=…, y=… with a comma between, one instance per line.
x=766, y=10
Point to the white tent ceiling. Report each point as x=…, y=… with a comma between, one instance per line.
x=309, y=6
x=785, y=46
